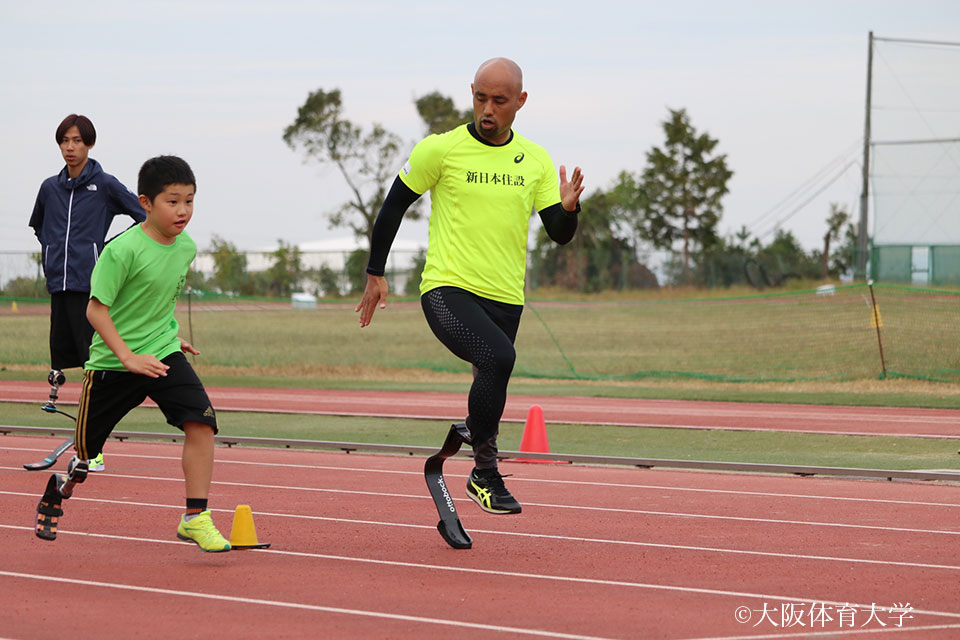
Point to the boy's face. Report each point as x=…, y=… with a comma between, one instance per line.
x=74, y=150
x=169, y=213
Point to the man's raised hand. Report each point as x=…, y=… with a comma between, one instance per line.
x=570, y=191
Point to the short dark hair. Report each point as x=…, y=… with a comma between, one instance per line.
x=87, y=132
x=157, y=173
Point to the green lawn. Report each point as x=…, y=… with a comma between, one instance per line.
x=783, y=338
x=873, y=452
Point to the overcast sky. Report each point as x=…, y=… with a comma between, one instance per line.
x=780, y=84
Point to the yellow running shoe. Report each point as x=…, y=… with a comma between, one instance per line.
x=96, y=464
x=201, y=530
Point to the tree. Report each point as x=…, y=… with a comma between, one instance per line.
x=229, y=267
x=844, y=259
x=683, y=183
x=439, y=114
x=604, y=252
x=284, y=274
x=355, y=269
x=368, y=162
x=412, y=287
x=838, y=218
x=785, y=258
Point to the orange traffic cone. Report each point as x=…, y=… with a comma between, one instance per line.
x=535, y=435
x=243, y=535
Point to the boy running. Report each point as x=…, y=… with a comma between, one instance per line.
x=136, y=352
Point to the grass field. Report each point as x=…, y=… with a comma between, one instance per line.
x=786, y=349
x=677, y=444
x=779, y=348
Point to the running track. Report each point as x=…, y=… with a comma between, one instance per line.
x=597, y=553
x=934, y=423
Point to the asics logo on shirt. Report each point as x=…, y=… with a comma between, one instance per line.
x=518, y=158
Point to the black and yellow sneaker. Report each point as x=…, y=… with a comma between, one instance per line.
x=486, y=488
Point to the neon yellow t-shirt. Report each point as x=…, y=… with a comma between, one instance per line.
x=140, y=280
x=481, y=200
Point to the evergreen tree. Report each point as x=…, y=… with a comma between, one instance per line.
x=683, y=182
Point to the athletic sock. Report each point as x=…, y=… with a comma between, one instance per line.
x=195, y=506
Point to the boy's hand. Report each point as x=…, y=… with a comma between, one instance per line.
x=145, y=364
x=186, y=347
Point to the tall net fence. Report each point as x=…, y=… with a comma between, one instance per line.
x=915, y=161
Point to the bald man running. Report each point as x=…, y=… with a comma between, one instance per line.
x=484, y=181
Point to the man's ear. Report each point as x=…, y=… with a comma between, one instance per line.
x=145, y=203
x=521, y=99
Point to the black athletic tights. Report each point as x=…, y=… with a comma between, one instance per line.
x=482, y=332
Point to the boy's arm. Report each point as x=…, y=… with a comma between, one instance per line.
x=145, y=364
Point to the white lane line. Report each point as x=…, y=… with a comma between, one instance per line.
x=300, y=605
x=514, y=574
x=542, y=536
x=544, y=505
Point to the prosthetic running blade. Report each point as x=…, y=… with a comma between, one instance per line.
x=51, y=459
x=450, y=527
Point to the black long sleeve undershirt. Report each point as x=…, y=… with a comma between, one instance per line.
x=560, y=224
x=398, y=200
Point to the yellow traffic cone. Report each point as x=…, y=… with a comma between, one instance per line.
x=13, y=307
x=243, y=535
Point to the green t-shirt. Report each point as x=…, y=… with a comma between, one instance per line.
x=140, y=280
x=481, y=200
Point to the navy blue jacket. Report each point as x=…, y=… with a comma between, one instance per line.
x=71, y=219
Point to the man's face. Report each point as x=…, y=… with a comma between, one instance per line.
x=74, y=150
x=169, y=213
x=496, y=99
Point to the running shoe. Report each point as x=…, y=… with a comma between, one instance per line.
x=202, y=531
x=486, y=488
x=96, y=464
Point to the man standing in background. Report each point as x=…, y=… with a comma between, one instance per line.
x=71, y=219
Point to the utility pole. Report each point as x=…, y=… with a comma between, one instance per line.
x=863, y=244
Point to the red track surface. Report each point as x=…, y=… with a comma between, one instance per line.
x=597, y=552
x=936, y=423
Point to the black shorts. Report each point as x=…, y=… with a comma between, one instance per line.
x=70, y=331
x=108, y=396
